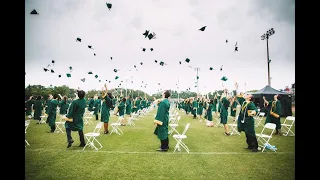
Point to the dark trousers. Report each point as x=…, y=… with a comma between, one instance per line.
x=165, y=143
x=69, y=138
x=97, y=117
x=251, y=140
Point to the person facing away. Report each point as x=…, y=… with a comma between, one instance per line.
x=121, y=108
x=96, y=106
x=37, y=107
x=273, y=115
x=74, y=119
x=52, y=113
x=162, y=121
x=246, y=122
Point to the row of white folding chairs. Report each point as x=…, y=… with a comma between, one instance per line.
x=26, y=124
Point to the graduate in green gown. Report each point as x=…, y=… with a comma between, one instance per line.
x=273, y=115
x=209, y=122
x=214, y=105
x=128, y=106
x=52, y=112
x=63, y=105
x=90, y=104
x=28, y=105
x=74, y=119
x=162, y=121
x=121, y=109
x=233, y=107
x=134, y=106
x=106, y=106
x=246, y=122
x=224, y=114
x=240, y=98
x=38, y=109
x=200, y=108
x=96, y=106
x=138, y=104
x=194, y=107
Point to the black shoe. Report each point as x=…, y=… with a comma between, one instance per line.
x=106, y=132
x=162, y=150
x=82, y=145
x=227, y=134
x=70, y=143
x=254, y=150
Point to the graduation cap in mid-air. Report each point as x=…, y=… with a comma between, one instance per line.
x=78, y=39
x=45, y=69
x=197, y=77
x=90, y=72
x=155, y=61
x=203, y=28
x=143, y=49
x=141, y=63
x=221, y=68
x=179, y=62
x=96, y=76
x=59, y=76
x=224, y=78
x=117, y=77
x=52, y=61
x=134, y=66
x=151, y=49
x=115, y=70
x=146, y=33
x=161, y=63
x=211, y=68
x=152, y=36
x=94, y=54
x=226, y=40
x=111, y=58
x=90, y=47
x=83, y=79
x=187, y=60
x=236, y=48
x=99, y=80
x=109, y=81
x=34, y=12
x=68, y=75
x=109, y=5
x=70, y=68
x=52, y=71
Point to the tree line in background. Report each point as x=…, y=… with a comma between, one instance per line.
x=38, y=90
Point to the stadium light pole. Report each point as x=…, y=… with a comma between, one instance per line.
x=266, y=36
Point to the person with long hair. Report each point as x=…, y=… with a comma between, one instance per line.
x=74, y=119
x=52, y=113
x=96, y=106
x=121, y=108
x=38, y=109
x=224, y=115
x=273, y=115
x=246, y=122
x=209, y=122
x=63, y=105
x=106, y=106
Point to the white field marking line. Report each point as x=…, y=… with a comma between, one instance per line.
x=155, y=152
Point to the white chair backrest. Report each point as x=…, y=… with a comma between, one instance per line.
x=270, y=126
x=186, y=129
x=26, y=124
x=261, y=114
x=290, y=118
x=98, y=127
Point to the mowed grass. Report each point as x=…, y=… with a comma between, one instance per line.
x=133, y=155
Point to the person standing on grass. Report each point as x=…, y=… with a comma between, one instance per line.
x=162, y=121
x=74, y=119
x=52, y=113
x=128, y=106
x=105, y=110
x=224, y=115
x=96, y=106
x=38, y=108
x=121, y=108
x=274, y=112
x=233, y=108
x=246, y=122
x=209, y=122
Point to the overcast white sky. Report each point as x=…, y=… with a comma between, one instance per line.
x=52, y=34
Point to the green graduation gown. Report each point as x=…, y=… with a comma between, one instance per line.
x=121, y=108
x=128, y=106
x=209, y=112
x=63, y=107
x=28, y=105
x=52, y=112
x=248, y=124
x=75, y=113
x=194, y=107
x=105, y=111
x=163, y=116
x=224, y=111
x=233, y=109
x=138, y=104
x=276, y=109
x=214, y=105
x=96, y=106
x=90, y=105
x=38, y=107
x=200, y=108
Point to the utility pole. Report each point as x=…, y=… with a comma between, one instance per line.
x=197, y=69
x=266, y=36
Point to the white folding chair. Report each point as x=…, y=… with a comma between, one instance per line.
x=287, y=125
x=179, y=137
x=115, y=127
x=92, y=137
x=259, y=119
x=264, y=137
x=43, y=119
x=26, y=125
x=234, y=127
x=173, y=126
x=59, y=124
x=87, y=117
x=130, y=122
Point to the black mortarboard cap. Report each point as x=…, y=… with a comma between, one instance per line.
x=146, y=33
x=34, y=12
x=203, y=28
x=78, y=39
x=151, y=36
x=52, y=71
x=68, y=75
x=115, y=70
x=221, y=68
x=197, y=77
x=117, y=77
x=134, y=66
x=224, y=78
x=211, y=68
x=89, y=46
x=83, y=79
x=52, y=61
x=59, y=76
x=187, y=60
x=90, y=72
x=161, y=63
x=236, y=48
x=94, y=54
x=96, y=76
x=70, y=68
x=179, y=62
x=45, y=69
x=151, y=49
x=141, y=63
x=109, y=5
x=155, y=61
x=143, y=49
x=111, y=58
x=226, y=40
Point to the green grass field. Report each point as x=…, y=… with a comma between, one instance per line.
x=133, y=155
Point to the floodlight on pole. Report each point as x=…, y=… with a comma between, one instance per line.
x=266, y=36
